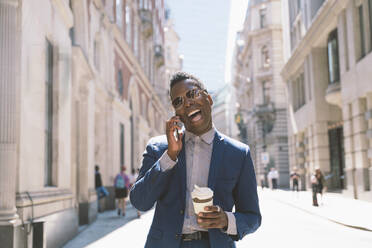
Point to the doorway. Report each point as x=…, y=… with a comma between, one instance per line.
x=337, y=158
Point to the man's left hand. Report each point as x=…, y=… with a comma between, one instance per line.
x=214, y=218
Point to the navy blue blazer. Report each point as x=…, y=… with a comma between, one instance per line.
x=231, y=177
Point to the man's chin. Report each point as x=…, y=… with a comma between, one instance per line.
x=198, y=129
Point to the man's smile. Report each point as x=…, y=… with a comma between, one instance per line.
x=195, y=115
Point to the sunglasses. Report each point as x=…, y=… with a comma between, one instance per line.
x=193, y=94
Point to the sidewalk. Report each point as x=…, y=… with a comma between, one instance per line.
x=334, y=207
x=108, y=224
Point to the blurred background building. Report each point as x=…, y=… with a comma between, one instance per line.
x=76, y=90
x=262, y=102
x=327, y=54
x=224, y=109
x=173, y=60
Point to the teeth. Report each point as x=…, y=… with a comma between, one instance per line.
x=193, y=112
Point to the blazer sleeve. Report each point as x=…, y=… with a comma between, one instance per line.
x=247, y=211
x=152, y=180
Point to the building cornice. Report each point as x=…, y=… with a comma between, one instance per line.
x=327, y=14
x=25, y=199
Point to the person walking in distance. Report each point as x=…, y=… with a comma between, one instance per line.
x=121, y=184
x=200, y=161
x=273, y=176
x=101, y=191
x=318, y=182
x=295, y=177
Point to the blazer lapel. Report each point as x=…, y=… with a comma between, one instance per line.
x=217, y=155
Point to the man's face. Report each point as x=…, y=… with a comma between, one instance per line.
x=195, y=113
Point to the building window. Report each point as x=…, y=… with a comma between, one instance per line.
x=144, y=4
x=119, y=13
x=361, y=31
x=121, y=144
x=266, y=91
x=333, y=59
x=128, y=27
x=120, y=83
x=298, y=92
x=263, y=18
x=315, y=6
x=48, y=177
x=265, y=58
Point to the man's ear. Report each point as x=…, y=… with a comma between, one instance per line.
x=209, y=99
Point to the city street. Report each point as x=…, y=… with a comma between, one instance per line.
x=283, y=225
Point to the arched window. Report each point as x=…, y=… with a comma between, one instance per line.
x=265, y=58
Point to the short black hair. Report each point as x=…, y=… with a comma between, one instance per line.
x=180, y=76
x=96, y=167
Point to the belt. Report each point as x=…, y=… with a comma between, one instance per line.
x=195, y=236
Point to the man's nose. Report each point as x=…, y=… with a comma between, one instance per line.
x=189, y=102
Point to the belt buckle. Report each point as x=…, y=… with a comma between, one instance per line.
x=187, y=239
x=193, y=236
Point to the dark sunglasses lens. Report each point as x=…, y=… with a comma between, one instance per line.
x=177, y=102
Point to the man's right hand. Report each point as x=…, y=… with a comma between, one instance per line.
x=174, y=145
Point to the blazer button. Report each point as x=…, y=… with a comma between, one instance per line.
x=181, y=212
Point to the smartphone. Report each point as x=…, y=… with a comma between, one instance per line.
x=177, y=132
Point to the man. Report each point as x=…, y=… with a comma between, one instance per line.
x=173, y=163
x=273, y=176
x=101, y=191
x=295, y=178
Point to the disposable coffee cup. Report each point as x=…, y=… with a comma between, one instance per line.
x=201, y=197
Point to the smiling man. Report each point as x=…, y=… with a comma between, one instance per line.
x=174, y=163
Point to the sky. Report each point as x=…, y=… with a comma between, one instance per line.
x=204, y=29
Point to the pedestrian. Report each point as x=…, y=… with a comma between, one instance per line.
x=317, y=182
x=274, y=176
x=100, y=189
x=121, y=184
x=262, y=180
x=132, y=179
x=173, y=164
x=295, y=177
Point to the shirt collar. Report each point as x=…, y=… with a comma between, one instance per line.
x=206, y=137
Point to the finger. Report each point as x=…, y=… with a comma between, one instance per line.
x=212, y=208
x=209, y=215
x=207, y=223
x=173, y=124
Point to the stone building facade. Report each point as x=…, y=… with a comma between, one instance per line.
x=78, y=86
x=261, y=96
x=328, y=59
